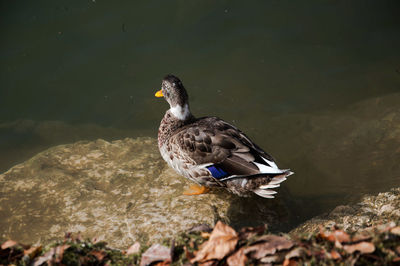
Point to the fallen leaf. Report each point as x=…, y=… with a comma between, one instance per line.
x=270, y=245
x=223, y=240
x=295, y=253
x=270, y=259
x=363, y=247
x=396, y=259
x=163, y=263
x=99, y=254
x=249, y=232
x=155, y=253
x=341, y=236
x=8, y=244
x=205, y=235
x=395, y=230
x=361, y=236
x=335, y=255
x=53, y=255
x=33, y=251
x=209, y=263
x=237, y=259
x=135, y=248
x=289, y=262
x=398, y=250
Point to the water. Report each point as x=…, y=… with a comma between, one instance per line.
x=304, y=80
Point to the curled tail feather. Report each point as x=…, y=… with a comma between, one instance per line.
x=266, y=191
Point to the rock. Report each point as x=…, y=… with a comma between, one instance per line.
x=120, y=191
x=370, y=211
x=26, y=138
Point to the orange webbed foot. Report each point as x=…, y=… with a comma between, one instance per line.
x=196, y=190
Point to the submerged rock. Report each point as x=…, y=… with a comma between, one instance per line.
x=119, y=191
x=370, y=211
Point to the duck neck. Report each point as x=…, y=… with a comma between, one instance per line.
x=172, y=121
x=181, y=112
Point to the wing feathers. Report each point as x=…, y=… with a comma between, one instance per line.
x=213, y=141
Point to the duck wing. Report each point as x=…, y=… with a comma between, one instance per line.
x=224, y=150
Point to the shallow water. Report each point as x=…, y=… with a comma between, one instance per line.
x=316, y=84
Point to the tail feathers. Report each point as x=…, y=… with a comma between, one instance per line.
x=265, y=190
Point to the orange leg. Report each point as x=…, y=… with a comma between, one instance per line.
x=196, y=190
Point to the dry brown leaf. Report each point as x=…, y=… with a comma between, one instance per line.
x=8, y=244
x=295, y=253
x=155, y=253
x=53, y=255
x=270, y=245
x=363, y=247
x=209, y=263
x=237, y=259
x=395, y=230
x=338, y=236
x=223, y=240
x=163, y=263
x=341, y=236
x=249, y=232
x=270, y=259
x=135, y=248
x=205, y=235
x=99, y=254
x=33, y=251
x=361, y=236
x=60, y=252
x=335, y=255
x=289, y=262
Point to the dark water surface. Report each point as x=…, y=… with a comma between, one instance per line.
x=304, y=79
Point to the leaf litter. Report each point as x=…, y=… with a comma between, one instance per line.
x=222, y=245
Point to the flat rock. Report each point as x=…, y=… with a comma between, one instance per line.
x=371, y=210
x=120, y=191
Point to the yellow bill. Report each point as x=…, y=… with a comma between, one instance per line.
x=159, y=94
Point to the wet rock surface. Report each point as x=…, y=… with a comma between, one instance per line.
x=119, y=191
x=370, y=211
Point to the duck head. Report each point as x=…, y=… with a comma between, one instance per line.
x=175, y=94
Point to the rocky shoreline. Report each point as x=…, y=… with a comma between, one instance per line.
x=364, y=233
x=222, y=245
x=123, y=192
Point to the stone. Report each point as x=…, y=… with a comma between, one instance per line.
x=371, y=210
x=120, y=191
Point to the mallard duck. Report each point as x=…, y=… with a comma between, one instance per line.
x=212, y=152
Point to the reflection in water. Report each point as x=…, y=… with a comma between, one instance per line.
x=316, y=84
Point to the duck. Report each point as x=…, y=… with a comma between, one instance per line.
x=211, y=152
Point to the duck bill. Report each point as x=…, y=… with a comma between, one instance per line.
x=159, y=94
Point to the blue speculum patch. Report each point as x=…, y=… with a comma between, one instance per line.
x=217, y=172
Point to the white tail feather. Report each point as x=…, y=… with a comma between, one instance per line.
x=268, y=169
x=263, y=193
x=277, y=180
x=265, y=190
x=267, y=186
x=271, y=163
